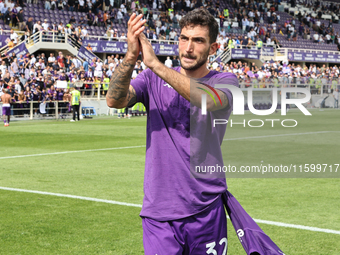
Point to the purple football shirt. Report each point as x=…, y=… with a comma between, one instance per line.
x=170, y=191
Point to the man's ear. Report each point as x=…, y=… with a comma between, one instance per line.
x=213, y=48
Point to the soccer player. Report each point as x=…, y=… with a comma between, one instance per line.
x=75, y=102
x=6, y=107
x=180, y=214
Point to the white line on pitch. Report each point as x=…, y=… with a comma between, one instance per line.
x=72, y=196
x=67, y=152
x=266, y=136
x=274, y=223
x=139, y=146
x=281, y=224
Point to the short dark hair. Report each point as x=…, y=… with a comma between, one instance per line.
x=201, y=17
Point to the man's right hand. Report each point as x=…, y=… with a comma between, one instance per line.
x=135, y=28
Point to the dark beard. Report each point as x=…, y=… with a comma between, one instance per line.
x=200, y=63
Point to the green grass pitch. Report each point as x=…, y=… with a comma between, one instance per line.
x=42, y=224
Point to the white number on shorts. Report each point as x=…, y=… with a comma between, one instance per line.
x=225, y=241
x=212, y=245
x=211, y=248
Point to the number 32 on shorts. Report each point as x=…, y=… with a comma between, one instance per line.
x=211, y=247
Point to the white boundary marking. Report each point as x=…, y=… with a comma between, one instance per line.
x=265, y=136
x=273, y=223
x=140, y=146
x=286, y=225
x=67, y=152
x=72, y=196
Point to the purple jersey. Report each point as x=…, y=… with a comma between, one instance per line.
x=71, y=76
x=28, y=95
x=62, y=78
x=170, y=192
x=36, y=95
x=60, y=95
x=50, y=91
x=43, y=96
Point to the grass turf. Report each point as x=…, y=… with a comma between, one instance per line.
x=40, y=224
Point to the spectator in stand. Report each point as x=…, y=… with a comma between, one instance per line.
x=77, y=63
x=175, y=61
x=40, y=64
x=168, y=62
x=88, y=47
x=68, y=63
x=105, y=18
x=21, y=60
x=47, y=5
x=84, y=33
x=37, y=27
x=11, y=44
x=328, y=38
x=172, y=34
x=53, y=5
x=148, y=34
x=4, y=9
x=122, y=38
x=15, y=67
x=7, y=16
x=100, y=19
x=133, y=5
x=55, y=65
x=90, y=18
x=61, y=60
x=301, y=29
x=14, y=13
x=72, y=20
x=321, y=39
x=251, y=43
x=14, y=36
x=119, y=16
x=109, y=33
x=294, y=36
x=2, y=5
x=21, y=20
x=45, y=25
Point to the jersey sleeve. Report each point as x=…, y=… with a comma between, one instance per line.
x=140, y=84
x=227, y=79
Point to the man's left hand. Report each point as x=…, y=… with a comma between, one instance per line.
x=148, y=55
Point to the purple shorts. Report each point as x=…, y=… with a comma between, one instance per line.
x=6, y=110
x=203, y=233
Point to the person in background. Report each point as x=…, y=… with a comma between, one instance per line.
x=6, y=107
x=336, y=98
x=75, y=102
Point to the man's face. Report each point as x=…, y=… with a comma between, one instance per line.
x=194, y=47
